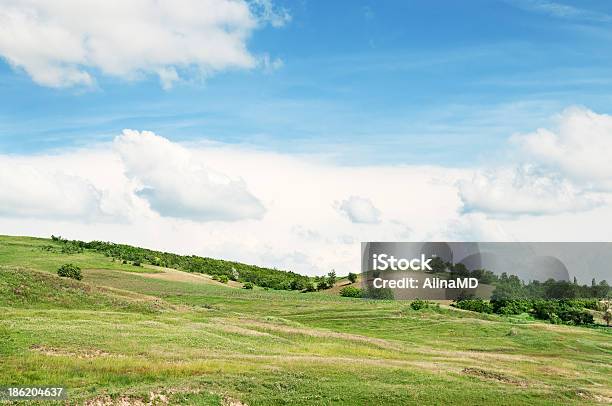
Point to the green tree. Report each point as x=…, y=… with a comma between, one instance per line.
x=352, y=277
x=437, y=265
x=331, y=278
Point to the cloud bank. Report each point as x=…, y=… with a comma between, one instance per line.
x=307, y=213
x=63, y=43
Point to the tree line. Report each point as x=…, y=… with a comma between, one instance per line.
x=264, y=277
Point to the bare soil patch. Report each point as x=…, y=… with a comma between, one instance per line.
x=494, y=376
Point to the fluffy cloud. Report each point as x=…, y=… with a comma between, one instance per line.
x=566, y=169
x=60, y=43
x=360, y=210
x=522, y=190
x=29, y=192
x=580, y=148
x=176, y=184
x=148, y=190
x=161, y=185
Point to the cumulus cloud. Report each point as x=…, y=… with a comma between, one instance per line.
x=522, y=191
x=360, y=210
x=580, y=147
x=176, y=184
x=61, y=43
x=160, y=183
x=28, y=192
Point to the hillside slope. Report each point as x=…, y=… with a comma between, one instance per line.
x=118, y=336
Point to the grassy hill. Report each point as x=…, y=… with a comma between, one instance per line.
x=140, y=334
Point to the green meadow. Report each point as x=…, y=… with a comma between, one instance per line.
x=151, y=335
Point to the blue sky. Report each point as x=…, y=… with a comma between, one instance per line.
x=438, y=82
x=331, y=123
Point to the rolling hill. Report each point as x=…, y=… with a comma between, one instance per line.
x=139, y=335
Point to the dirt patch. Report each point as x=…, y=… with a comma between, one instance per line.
x=584, y=394
x=233, y=402
x=173, y=275
x=493, y=376
x=481, y=355
x=379, y=342
x=154, y=399
x=82, y=354
x=229, y=328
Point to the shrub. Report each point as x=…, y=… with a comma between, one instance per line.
x=310, y=287
x=248, y=285
x=557, y=311
x=136, y=263
x=322, y=284
x=352, y=277
x=584, y=303
x=70, y=271
x=351, y=291
x=474, y=305
x=512, y=306
x=379, y=294
x=419, y=304
x=223, y=278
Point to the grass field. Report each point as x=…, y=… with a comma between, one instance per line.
x=125, y=335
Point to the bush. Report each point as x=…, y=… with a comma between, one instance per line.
x=351, y=291
x=557, y=311
x=419, y=304
x=352, y=277
x=310, y=287
x=136, y=263
x=223, y=278
x=474, y=305
x=248, y=285
x=509, y=307
x=70, y=271
x=592, y=304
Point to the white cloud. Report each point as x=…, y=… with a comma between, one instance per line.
x=177, y=184
x=302, y=229
x=269, y=65
x=580, y=147
x=277, y=17
x=522, y=191
x=29, y=192
x=359, y=210
x=62, y=43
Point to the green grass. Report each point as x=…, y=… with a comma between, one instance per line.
x=119, y=335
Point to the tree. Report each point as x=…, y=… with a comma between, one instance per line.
x=248, y=285
x=352, y=277
x=460, y=271
x=331, y=278
x=437, y=265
